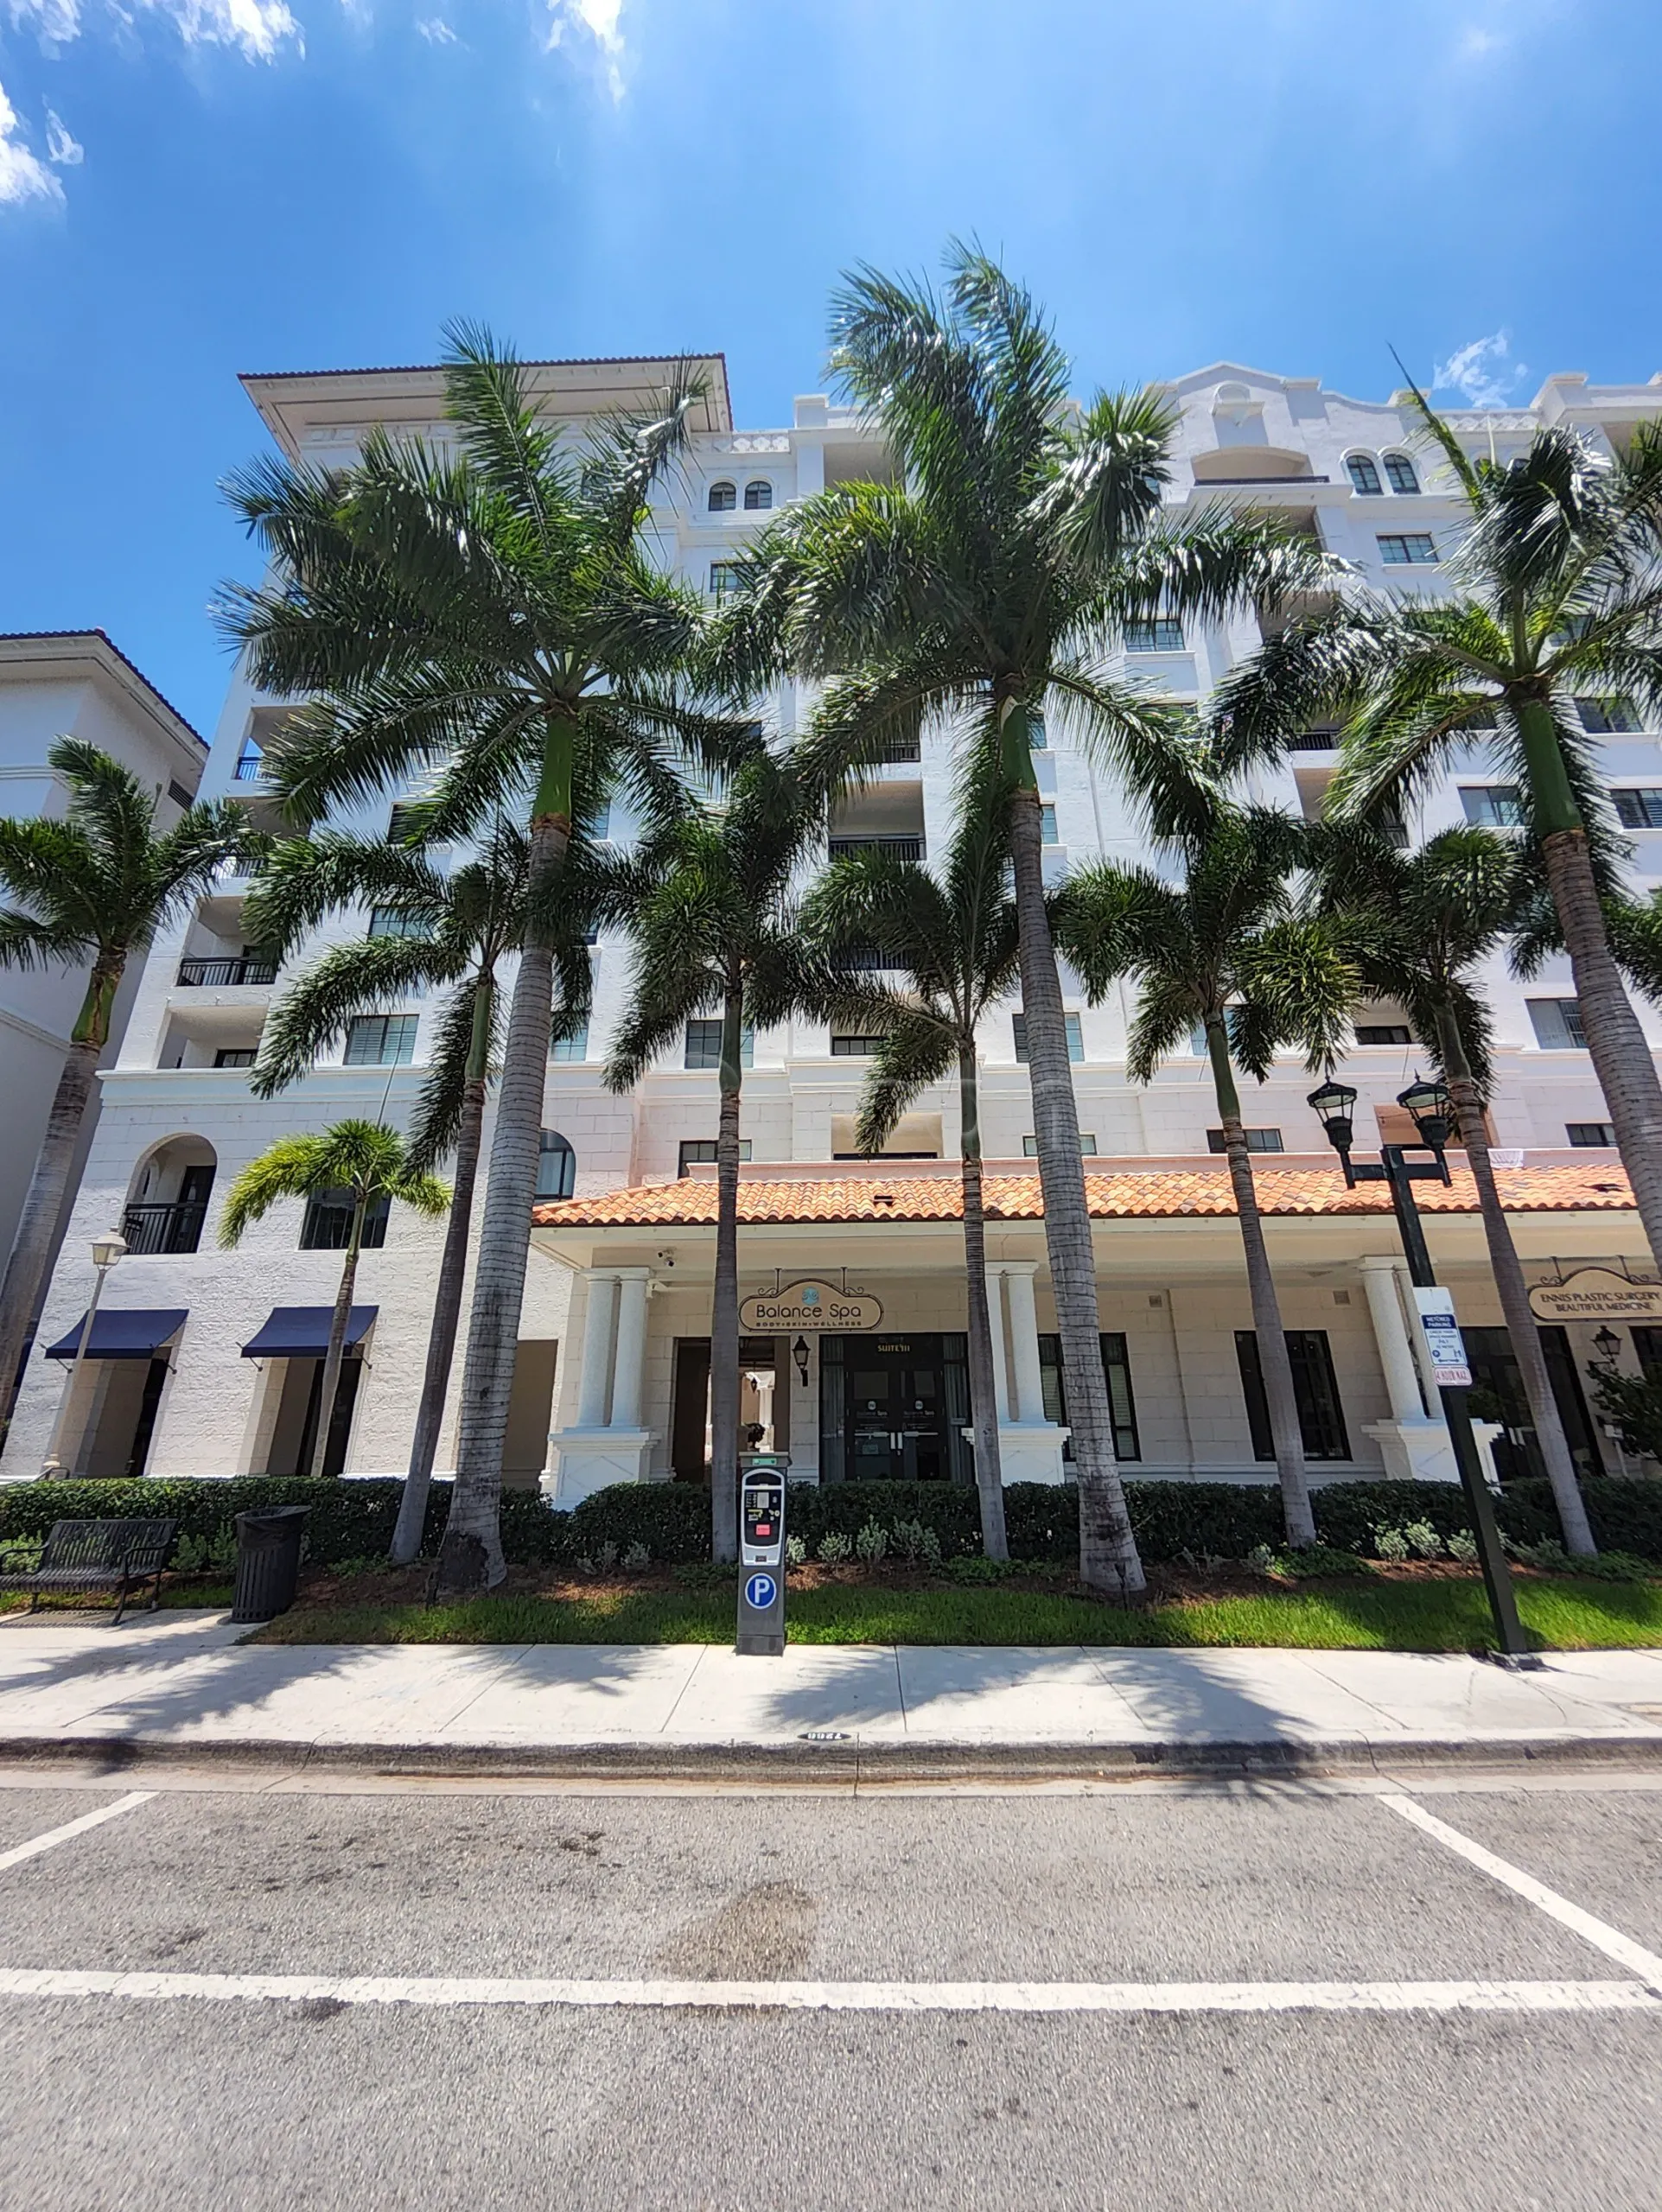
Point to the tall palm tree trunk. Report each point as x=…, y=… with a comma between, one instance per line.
x=1521, y=1326
x=1108, y=1554
x=447, y=1315
x=724, y=1301
x=470, y=1557
x=1274, y=1365
x=984, y=1396
x=31, y=1248
x=337, y=1345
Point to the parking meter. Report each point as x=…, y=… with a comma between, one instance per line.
x=762, y=1553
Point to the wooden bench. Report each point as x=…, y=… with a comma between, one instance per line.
x=110, y=1556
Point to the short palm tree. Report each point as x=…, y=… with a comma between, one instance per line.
x=994, y=578
x=492, y=609
x=1418, y=925
x=364, y=1157
x=1223, y=953
x=953, y=936
x=1556, y=603
x=430, y=929
x=92, y=888
x=706, y=897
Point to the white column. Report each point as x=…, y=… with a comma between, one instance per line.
x=996, y=1320
x=629, y=1361
x=1379, y=1279
x=596, y=1347
x=1024, y=1342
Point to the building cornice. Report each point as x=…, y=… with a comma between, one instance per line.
x=38, y=656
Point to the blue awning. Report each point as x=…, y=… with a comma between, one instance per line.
x=302, y=1331
x=138, y=1332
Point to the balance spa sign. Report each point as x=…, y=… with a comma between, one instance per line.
x=1597, y=1294
x=808, y=1305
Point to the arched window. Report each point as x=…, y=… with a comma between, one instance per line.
x=167, y=1204
x=1400, y=473
x=1364, y=473
x=557, y=1167
x=758, y=495
x=723, y=498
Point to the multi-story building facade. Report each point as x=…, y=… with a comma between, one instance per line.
x=853, y=1269
x=54, y=684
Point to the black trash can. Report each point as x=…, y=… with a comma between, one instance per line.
x=268, y=1561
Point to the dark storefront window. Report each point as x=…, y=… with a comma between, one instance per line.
x=1321, y=1421
x=1116, y=1368
x=1497, y=1394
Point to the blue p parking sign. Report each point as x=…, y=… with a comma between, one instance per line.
x=760, y=1592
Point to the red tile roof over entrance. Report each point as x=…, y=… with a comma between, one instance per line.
x=690, y=1203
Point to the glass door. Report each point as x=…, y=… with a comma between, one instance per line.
x=870, y=1424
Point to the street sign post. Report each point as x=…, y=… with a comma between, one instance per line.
x=761, y=1554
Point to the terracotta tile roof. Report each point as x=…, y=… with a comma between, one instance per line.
x=1152, y=1196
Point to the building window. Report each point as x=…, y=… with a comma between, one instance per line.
x=1256, y=1141
x=700, y=1151
x=1047, y=826
x=855, y=1044
x=703, y=1045
x=723, y=578
x=1607, y=717
x=1163, y=635
x=1038, y=741
x=1638, y=808
x=1383, y=1032
x=556, y=1165
x=1019, y=1031
x=1363, y=473
x=1116, y=1371
x=234, y=1056
x=326, y=1226
x=572, y=1046
x=1590, y=1135
x=393, y=921
x=1087, y=1146
x=1413, y=549
x=404, y=822
x=1557, y=1024
x=381, y=1040
x=1315, y=1389
x=1400, y=473
x=723, y=498
x=1492, y=806
x=758, y=496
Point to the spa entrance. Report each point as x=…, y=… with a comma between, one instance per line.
x=893, y=1409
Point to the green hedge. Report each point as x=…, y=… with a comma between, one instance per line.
x=354, y=1519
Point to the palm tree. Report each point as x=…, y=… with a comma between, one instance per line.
x=954, y=938
x=1556, y=602
x=492, y=609
x=92, y=888
x=1223, y=953
x=991, y=578
x=429, y=929
x=707, y=900
x=364, y=1157
x=1418, y=924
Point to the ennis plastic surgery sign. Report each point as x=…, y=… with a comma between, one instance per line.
x=810, y=1304
x=1597, y=1294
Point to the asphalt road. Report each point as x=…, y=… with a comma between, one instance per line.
x=267, y=2099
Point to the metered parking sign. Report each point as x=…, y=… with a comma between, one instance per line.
x=1450, y=1369
x=760, y=1592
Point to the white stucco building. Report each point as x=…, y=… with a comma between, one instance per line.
x=613, y=1372
x=54, y=684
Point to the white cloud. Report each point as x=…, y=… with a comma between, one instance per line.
x=436, y=31
x=62, y=146
x=1482, y=372
x=24, y=175
x=57, y=23
x=599, y=19
x=255, y=28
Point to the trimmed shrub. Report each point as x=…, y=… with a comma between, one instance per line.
x=1347, y=1513
x=672, y=1520
x=1625, y=1512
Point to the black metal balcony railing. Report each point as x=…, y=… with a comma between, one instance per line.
x=900, y=750
x=902, y=848
x=250, y=765
x=163, y=1228
x=864, y=960
x=198, y=974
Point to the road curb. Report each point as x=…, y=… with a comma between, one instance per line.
x=852, y=1762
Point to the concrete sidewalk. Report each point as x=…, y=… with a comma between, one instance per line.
x=184, y=1686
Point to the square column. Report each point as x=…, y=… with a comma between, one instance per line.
x=1413, y=1444
x=1029, y=1446
x=607, y=1443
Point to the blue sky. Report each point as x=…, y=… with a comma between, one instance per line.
x=193, y=188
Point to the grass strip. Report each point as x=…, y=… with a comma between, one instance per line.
x=1565, y=1613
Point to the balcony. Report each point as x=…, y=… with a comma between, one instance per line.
x=900, y=849
x=222, y=973
x=163, y=1228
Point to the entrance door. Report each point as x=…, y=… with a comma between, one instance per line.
x=895, y=1414
x=1498, y=1394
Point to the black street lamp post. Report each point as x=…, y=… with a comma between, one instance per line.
x=1428, y=1104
